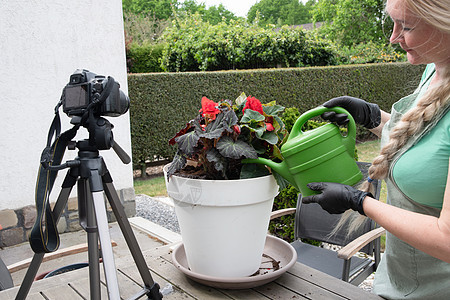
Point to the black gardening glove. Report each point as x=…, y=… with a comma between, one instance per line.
x=336, y=198
x=365, y=113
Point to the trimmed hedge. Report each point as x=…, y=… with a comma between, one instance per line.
x=162, y=103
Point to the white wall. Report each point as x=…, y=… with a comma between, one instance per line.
x=41, y=44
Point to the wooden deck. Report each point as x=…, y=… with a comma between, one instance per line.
x=300, y=282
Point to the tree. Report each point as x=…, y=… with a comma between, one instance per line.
x=160, y=9
x=281, y=12
x=164, y=9
x=215, y=14
x=351, y=22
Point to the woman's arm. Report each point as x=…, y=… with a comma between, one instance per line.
x=426, y=233
x=384, y=118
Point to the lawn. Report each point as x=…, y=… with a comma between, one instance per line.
x=152, y=187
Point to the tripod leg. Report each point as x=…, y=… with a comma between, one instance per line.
x=89, y=224
x=125, y=227
x=93, y=167
x=36, y=262
x=105, y=243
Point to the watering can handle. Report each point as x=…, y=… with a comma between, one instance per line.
x=349, y=140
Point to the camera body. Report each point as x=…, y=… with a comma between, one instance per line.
x=87, y=90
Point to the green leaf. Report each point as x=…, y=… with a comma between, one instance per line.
x=219, y=161
x=259, y=146
x=187, y=142
x=230, y=119
x=241, y=99
x=178, y=163
x=277, y=122
x=282, y=183
x=251, y=115
x=214, y=129
x=227, y=147
x=258, y=130
x=276, y=153
x=270, y=136
x=273, y=110
x=224, y=121
x=253, y=170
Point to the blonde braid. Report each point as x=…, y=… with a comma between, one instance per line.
x=411, y=123
x=429, y=106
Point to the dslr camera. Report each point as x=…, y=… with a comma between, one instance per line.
x=87, y=90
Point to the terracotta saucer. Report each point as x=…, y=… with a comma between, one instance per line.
x=278, y=257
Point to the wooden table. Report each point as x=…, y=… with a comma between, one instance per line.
x=300, y=282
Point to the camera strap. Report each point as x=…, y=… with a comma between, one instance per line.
x=44, y=236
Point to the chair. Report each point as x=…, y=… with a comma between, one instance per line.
x=6, y=281
x=312, y=222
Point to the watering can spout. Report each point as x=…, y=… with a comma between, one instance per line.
x=280, y=168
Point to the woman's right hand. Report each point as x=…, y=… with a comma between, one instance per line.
x=364, y=113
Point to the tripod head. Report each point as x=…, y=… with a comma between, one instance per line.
x=100, y=137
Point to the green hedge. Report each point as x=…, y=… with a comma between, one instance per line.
x=162, y=103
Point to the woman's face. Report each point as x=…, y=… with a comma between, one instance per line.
x=423, y=43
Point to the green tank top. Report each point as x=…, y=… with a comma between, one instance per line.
x=421, y=172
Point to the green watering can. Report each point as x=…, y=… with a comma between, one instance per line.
x=318, y=155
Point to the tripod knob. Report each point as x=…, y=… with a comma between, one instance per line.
x=103, y=135
x=71, y=145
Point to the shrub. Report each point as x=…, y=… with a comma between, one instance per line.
x=283, y=227
x=145, y=58
x=195, y=45
x=369, y=52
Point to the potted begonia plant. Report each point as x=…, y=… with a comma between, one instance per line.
x=222, y=204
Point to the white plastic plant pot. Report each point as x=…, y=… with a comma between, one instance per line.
x=223, y=223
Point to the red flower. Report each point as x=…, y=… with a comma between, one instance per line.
x=269, y=127
x=237, y=129
x=269, y=124
x=209, y=108
x=253, y=104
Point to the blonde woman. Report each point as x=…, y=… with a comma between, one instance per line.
x=414, y=161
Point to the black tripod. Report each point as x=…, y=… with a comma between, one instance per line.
x=89, y=171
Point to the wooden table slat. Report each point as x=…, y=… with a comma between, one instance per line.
x=61, y=292
x=273, y=290
x=127, y=287
x=305, y=288
x=325, y=281
x=82, y=285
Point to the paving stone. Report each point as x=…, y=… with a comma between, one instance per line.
x=29, y=216
x=8, y=218
x=12, y=236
